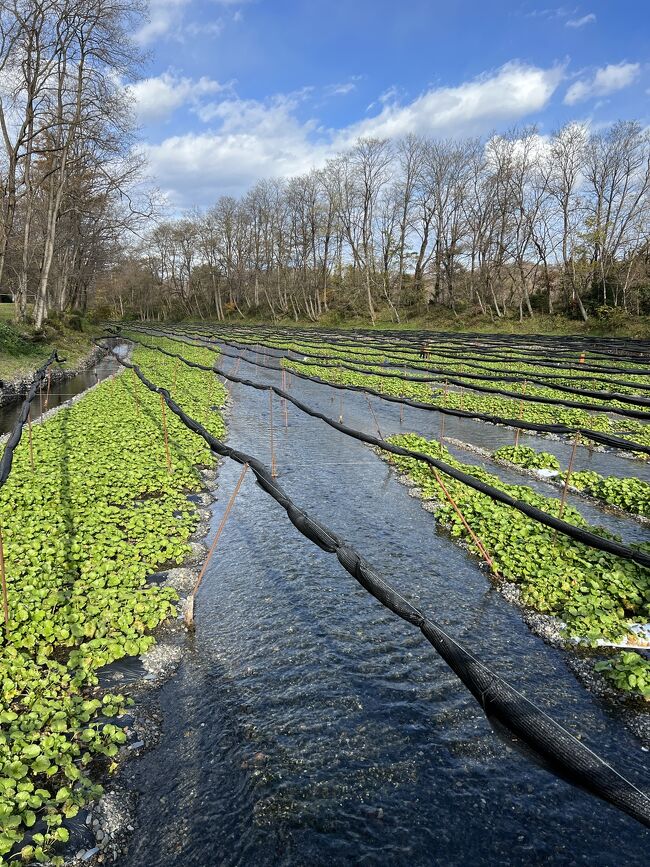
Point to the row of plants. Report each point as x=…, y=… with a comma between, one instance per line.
x=597, y=595
x=98, y=512
x=458, y=366
x=629, y=493
x=486, y=404
x=526, y=457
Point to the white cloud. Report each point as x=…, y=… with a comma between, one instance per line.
x=252, y=139
x=606, y=80
x=512, y=92
x=167, y=20
x=580, y=22
x=158, y=97
x=165, y=16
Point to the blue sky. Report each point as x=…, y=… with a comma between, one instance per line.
x=236, y=90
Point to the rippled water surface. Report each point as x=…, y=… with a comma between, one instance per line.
x=61, y=391
x=307, y=725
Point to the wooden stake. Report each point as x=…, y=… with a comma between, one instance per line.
x=566, y=479
x=475, y=538
x=374, y=417
x=521, y=413
x=189, y=610
x=3, y=580
x=164, y=420
x=49, y=381
x=31, y=442
x=274, y=472
x=176, y=373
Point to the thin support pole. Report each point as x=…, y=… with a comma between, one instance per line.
x=340, y=409
x=475, y=538
x=274, y=470
x=31, y=441
x=189, y=611
x=135, y=392
x=374, y=417
x=521, y=413
x=49, y=382
x=284, y=400
x=3, y=580
x=164, y=420
x=567, y=478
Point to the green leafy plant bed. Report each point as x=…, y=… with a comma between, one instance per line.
x=529, y=459
x=82, y=530
x=487, y=404
x=598, y=595
x=628, y=671
x=630, y=494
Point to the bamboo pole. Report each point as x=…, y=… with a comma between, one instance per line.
x=49, y=382
x=567, y=478
x=164, y=420
x=374, y=417
x=521, y=413
x=31, y=442
x=274, y=471
x=475, y=538
x=284, y=400
x=3, y=580
x=189, y=610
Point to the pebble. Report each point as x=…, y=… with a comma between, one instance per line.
x=88, y=854
x=136, y=745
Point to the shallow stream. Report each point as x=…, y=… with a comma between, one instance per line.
x=307, y=725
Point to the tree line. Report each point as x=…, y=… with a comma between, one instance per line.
x=509, y=225
x=68, y=170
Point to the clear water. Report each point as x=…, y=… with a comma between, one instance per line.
x=61, y=391
x=308, y=726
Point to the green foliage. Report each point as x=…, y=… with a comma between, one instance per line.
x=524, y=456
x=628, y=671
x=630, y=494
x=597, y=594
x=81, y=533
x=487, y=404
x=382, y=384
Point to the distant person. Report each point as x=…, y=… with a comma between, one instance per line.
x=425, y=351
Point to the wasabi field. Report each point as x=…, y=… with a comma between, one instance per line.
x=424, y=619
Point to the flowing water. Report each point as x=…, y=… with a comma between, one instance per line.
x=61, y=391
x=309, y=726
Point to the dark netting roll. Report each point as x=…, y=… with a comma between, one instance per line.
x=17, y=432
x=552, y=745
x=538, y=378
x=606, y=439
x=579, y=534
